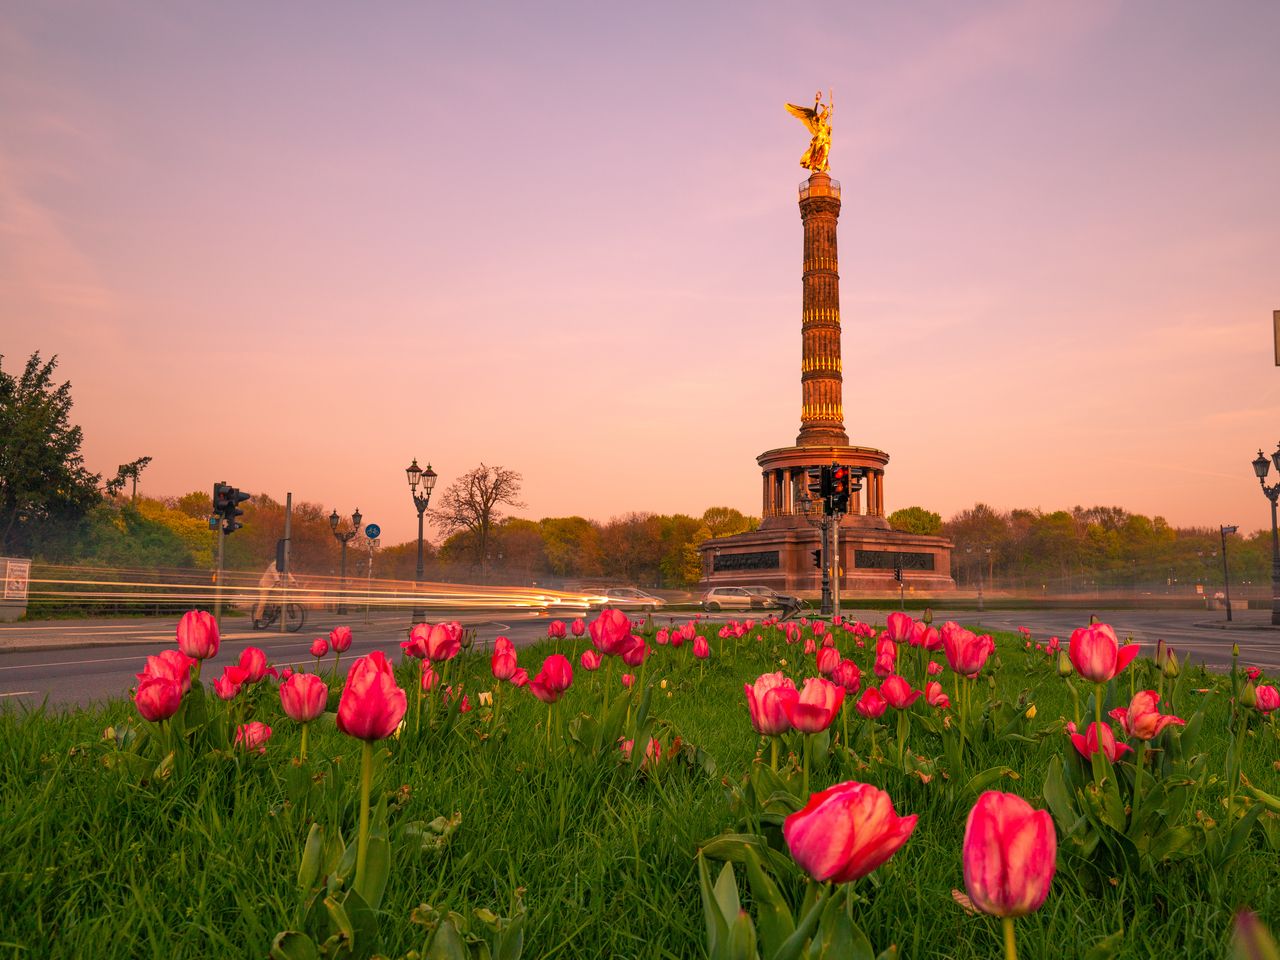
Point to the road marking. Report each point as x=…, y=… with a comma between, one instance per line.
x=18, y=693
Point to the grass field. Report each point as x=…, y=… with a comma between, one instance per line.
x=110, y=852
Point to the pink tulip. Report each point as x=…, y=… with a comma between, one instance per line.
x=628, y=680
x=253, y=736
x=815, y=708
x=503, y=645
x=556, y=630
x=225, y=688
x=428, y=679
x=934, y=668
x=1097, y=654
x=923, y=635
x=303, y=697
x=767, y=699
x=1253, y=673
x=701, y=649
x=899, y=627
x=871, y=704
x=898, y=693
x=578, y=627
x=1099, y=737
x=661, y=637
x=652, y=751
x=828, y=660
x=590, y=659
x=934, y=696
x=158, y=698
x=846, y=832
x=449, y=695
x=1142, y=719
x=688, y=630
x=340, y=639
x=198, y=635
x=173, y=664
x=1009, y=855
x=634, y=654
x=503, y=664
x=847, y=675
x=810, y=647
x=966, y=653
x=611, y=632
x=1266, y=699
x=319, y=647
x=372, y=705
x=436, y=642
x=254, y=664
x=555, y=677
x=520, y=678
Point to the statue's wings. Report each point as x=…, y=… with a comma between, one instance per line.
x=808, y=116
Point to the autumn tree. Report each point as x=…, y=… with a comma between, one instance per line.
x=916, y=520
x=726, y=521
x=472, y=504
x=44, y=485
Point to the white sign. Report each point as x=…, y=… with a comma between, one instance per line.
x=17, y=576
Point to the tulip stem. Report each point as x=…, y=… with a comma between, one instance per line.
x=805, y=788
x=1097, y=703
x=550, y=708
x=302, y=750
x=1138, y=759
x=773, y=754
x=366, y=784
x=1010, y=943
x=417, y=704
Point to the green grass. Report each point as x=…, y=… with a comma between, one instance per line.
x=99, y=862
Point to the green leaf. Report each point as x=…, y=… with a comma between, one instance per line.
x=377, y=869
x=292, y=945
x=446, y=943
x=836, y=939
x=717, y=925
x=339, y=922
x=1240, y=832
x=1176, y=842
x=742, y=938
x=981, y=781
x=1107, y=947
x=312, y=854
x=773, y=914
x=726, y=893
x=790, y=949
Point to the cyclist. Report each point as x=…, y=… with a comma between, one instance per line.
x=268, y=584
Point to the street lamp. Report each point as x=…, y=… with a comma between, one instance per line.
x=344, y=539
x=981, y=551
x=1260, y=467
x=427, y=478
x=1226, y=576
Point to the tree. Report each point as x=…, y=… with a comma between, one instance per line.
x=726, y=521
x=471, y=503
x=43, y=481
x=128, y=471
x=916, y=520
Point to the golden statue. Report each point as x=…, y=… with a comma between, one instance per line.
x=818, y=120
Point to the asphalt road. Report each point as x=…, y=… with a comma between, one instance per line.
x=77, y=663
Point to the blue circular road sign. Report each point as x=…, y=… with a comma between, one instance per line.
x=371, y=530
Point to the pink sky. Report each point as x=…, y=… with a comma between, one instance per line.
x=564, y=238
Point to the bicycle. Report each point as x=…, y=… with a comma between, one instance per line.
x=295, y=617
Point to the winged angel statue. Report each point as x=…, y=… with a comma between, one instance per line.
x=818, y=120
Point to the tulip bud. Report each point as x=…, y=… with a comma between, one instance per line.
x=1064, y=664
x=1171, y=668
x=1249, y=695
x=927, y=616
x=1235, y=650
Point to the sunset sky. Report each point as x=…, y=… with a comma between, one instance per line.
x=294, y=245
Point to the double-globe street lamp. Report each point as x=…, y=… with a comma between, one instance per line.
x=344, y=537
x=427, y=478
x=1260, y=467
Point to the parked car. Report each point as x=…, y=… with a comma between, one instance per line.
x=628, y=598
x=774, y=599
x=731, y=598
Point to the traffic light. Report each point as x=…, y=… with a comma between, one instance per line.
x=226, y=505
x=817, y=558
x=897, y=567
x=841, y=478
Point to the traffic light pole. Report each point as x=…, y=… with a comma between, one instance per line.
x=217, y=580
x=835, y=562
x=284, y=574
x=826, y=570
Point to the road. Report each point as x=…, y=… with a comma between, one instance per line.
x=78, y=663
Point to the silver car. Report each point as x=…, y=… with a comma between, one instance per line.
x=629, y=598
x=731, y=598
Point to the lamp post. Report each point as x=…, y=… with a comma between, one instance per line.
x=1226, y=576
x=1260, y=467
x=344, y=538
x=981, y=551
x=427, y=478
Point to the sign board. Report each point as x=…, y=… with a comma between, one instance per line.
x=17, y=576
x=372, y=531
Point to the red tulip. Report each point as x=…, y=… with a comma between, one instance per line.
x=578, y=627
x=934, y=668
x=340, y=639
x=1099, y=737
x=449, y=694
x=634, y=654
x=688, y=630
x=871, y=704
x=611, y=632
x=158, y=698
x=1253, y=673
x=767, y=702
x=428, y=679
x=555, y=630
x=372, y=705
x=899, y=627
x=590, y=659
x=503, y=644
x=198, y=635
x=652, y=751
x=934, y=696
x=923, y=635
x=828, y=660
x=503, y=664
x=846, y=832
x=1267, y=699
x=701, y=649
x=225, y=688
x=847, y=675
x=628, y=680
x=1009, y=855
x=1142, y=719
x=303, y=697
x=966, y=653
x=253, y=736
x=810, y=647
x=254, y=664
x=898, y=693
x=815, y=708
x=662, y=637
x=555, y=677
x=173, y=664
x=1097, y=654
x=319, y=647
x=520, y=678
